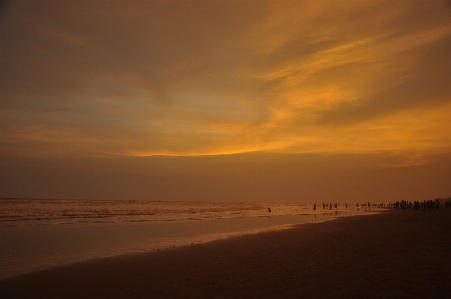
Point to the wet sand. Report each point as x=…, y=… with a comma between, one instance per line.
x=393, y=254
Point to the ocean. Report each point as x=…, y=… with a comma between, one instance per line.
x=36, y=234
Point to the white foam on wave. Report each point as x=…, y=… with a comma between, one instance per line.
x=45, y=211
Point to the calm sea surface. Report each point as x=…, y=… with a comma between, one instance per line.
x=36, y=234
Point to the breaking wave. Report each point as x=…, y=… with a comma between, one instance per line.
x=14, y=212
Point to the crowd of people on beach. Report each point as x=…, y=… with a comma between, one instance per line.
x=364, y=205
x=424, y=205
x=328, y=206
x=403, y=204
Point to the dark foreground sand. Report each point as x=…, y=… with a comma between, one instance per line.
x=394, y=254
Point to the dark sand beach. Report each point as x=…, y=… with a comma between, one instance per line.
x=393, y=254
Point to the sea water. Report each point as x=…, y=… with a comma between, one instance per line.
x=36, y=234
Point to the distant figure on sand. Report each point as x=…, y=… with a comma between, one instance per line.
x=269, y=209
x=324, y=206
x=314, y=206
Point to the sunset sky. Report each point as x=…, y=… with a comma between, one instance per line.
x=287, y=101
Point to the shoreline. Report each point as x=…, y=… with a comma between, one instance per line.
x=80, y=242
x=391, y=253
